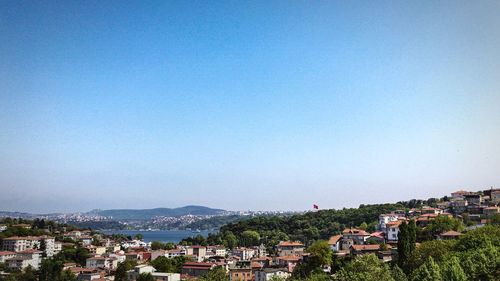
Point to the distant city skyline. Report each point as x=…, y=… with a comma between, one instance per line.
x=261, y=105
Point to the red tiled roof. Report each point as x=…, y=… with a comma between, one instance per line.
x=30, y=251
x=290, y=244
x=334, y=239
x=289, y=258
x=355, y=231
x=451, y=233
x=366, y=247
x=6, y=253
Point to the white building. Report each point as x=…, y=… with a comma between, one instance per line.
x=24, y=259
x=266, y=274
x=158, y=276
x=4, y=256
x=383, y=219
x=19, y=244
x=102, y=262
x=244, y=253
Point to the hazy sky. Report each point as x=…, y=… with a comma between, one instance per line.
x=246, y=104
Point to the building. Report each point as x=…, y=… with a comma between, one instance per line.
x=474, y=198
x=24, y=259
x=383, y=219
x=449, y=235
x=376, y=237
x=358, y=236
x=334, y=242
x=195, y=269
x=392, y=231
x=19, y=244
x=490, y=211
x=266, y=274
x=219, y=251
x=200, y=252
x=290, y=248
x=158, y=276
x=244, y=253
x=96, y=250
x=241, y=271
x=5, y=255
x=495, y=196
x=364, y=249
x=102, y=262
x=459, y=194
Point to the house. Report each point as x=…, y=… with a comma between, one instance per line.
x=290, y=248
x=364, y=249
x=358, y=236
x=383, y=219
x=22, y=225
x=3, y=228
x=429, y=210
x=157, y=276
x=5, y=255
x=490, y=211
x=200, y=252
x=474, y=198
x=458, y=206
x=22, y=243
x=217, y=250
x=495, y=197
x=134, y=256
x=102, y=262
x=195, y=269
x=288, y=262
x=241, y=271
x=86, y=240
x=96, y=250
x=334, y=242
x=459, y=194
x=449, y=235
x=262, y=261
x=24, y=259
x=376, y=237
x=266, y=274
x=392, y=231
x=244, y=253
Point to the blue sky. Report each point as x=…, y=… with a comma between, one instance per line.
x=246, y=104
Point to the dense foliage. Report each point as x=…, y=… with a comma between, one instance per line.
x=310, y=226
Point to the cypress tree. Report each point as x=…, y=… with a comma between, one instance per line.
x=452, y=271
x=403, y=246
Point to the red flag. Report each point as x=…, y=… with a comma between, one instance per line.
x=315, y=206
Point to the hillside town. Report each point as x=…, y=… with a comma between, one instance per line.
x=104, y=257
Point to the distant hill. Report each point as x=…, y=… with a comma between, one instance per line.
x=146, y=214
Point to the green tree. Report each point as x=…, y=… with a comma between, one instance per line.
x=230, y=240
x=250, y=238
x=321, y=254
x=398, y=274
x=43, y=248
x=404, y=247
x=121, y=270
x=145, y=277
x=363, y=226
x=164, y=264
x=157, y=245
x=437, y=249
x=364, y=268
x=217, y=273
x=51, y=270
x=138, y=236
x=429, y=271
x=452, y=271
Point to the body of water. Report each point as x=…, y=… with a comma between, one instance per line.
x=158, y=235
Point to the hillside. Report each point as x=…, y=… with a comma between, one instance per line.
x=146, y=214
